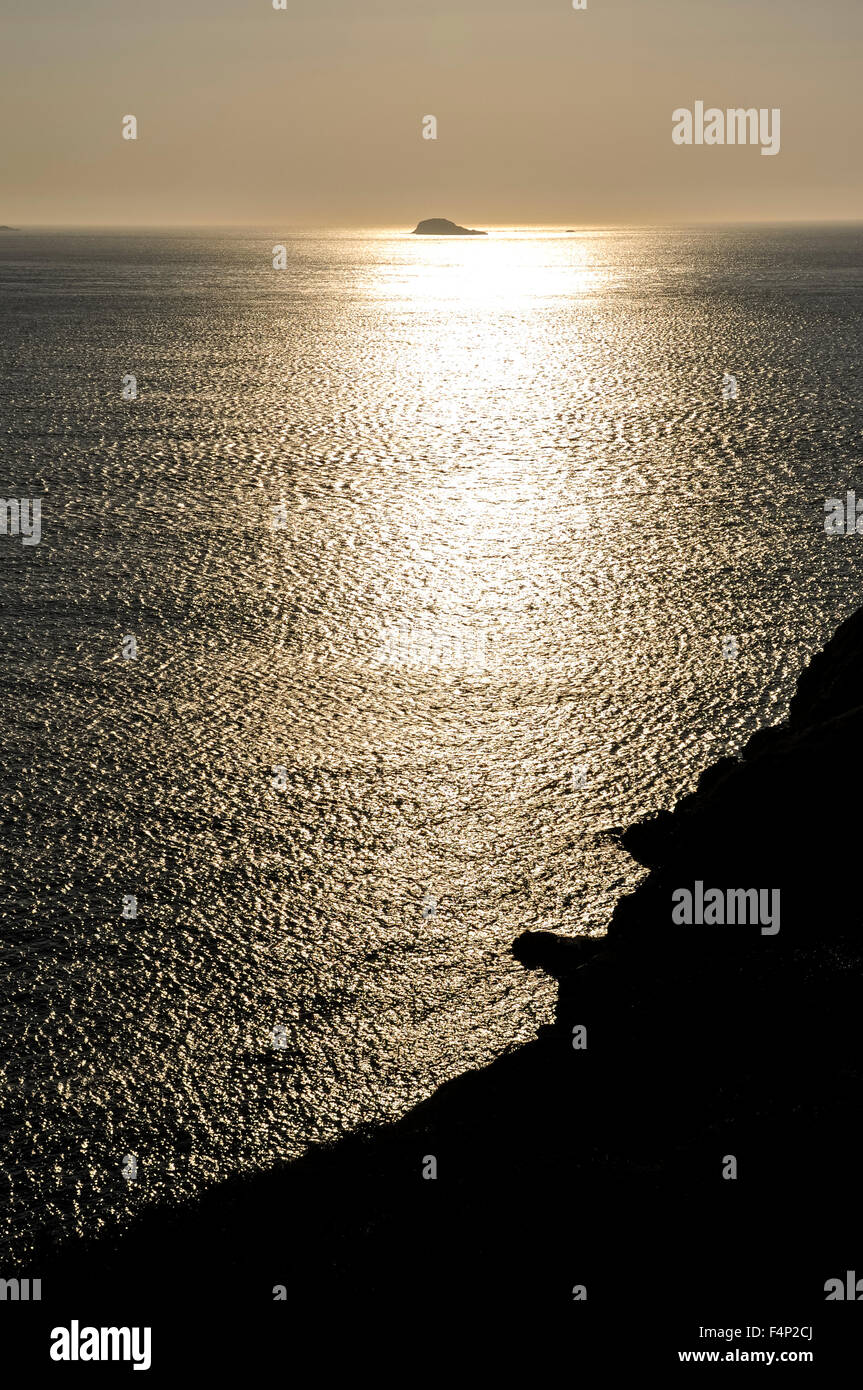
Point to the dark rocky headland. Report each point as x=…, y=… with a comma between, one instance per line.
x=599, y=1167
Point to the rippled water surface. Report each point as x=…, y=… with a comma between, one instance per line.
x=429, y=550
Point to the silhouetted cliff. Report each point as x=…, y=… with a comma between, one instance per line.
x=609, y=1166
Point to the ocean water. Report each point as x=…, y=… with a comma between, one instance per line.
x=432, y=552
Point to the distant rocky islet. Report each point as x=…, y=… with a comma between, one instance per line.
x=441, y=226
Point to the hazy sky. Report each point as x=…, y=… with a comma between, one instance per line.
x=312, y=116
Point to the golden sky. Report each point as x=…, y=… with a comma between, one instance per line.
x=312, y=116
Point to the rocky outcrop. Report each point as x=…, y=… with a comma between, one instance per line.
x=440, y=226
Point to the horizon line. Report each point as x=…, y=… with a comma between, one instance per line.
x=392, y=226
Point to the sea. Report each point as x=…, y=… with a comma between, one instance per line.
x=378, y=579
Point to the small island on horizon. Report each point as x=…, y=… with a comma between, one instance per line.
x=441, y=226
